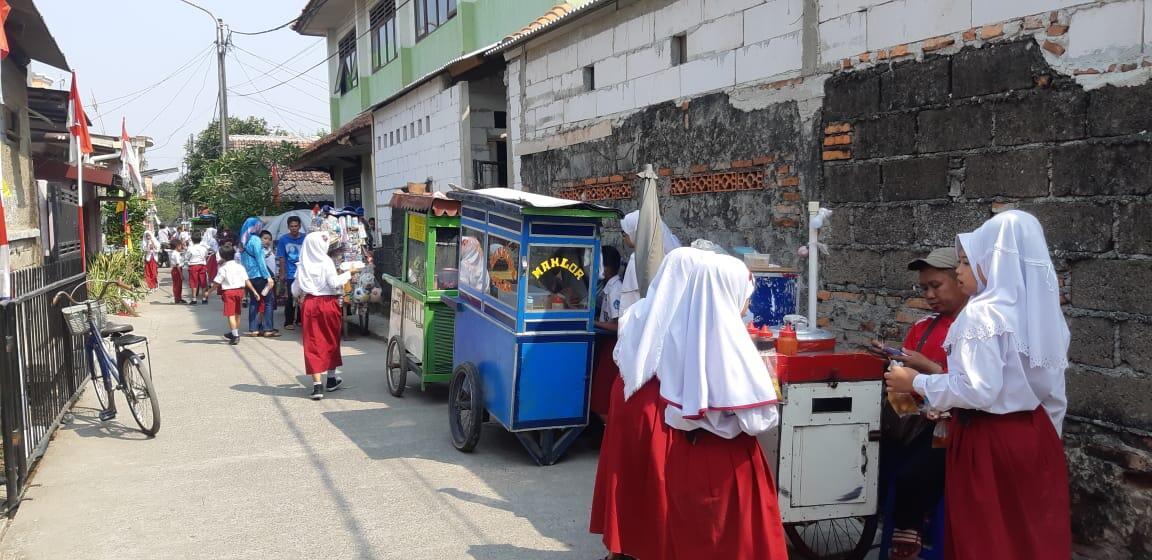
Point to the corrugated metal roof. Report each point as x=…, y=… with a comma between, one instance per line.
x=560, y=14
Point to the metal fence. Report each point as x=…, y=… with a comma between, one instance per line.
x=42, y=367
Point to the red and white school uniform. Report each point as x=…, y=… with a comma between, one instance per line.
x=151, y=266
x=321, y=286
x=687, y=342
x=197, y=267
x=176, y=260
x=232, y=278
x=212, y=266
x=1006, y=488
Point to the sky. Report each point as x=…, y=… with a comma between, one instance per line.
x=119, y=47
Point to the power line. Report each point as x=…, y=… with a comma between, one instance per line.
x=201, y=57
x=244, y=68
x=277, y=28
x=299, y=114
x=195, y=100
x=171, y=101
x=309, y=69
x=182, y=67
x=311, y=94
x=278, y=65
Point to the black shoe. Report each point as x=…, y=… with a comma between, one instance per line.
x=317, y=391
x=234, y=340
x=193, y=302
x=230, y=336
x=106, y=415
x=334, y=383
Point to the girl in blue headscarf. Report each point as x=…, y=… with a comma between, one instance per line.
x=252, y=257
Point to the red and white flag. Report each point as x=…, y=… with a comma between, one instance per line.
x=4, y=9
x=130, y=159
x=79, y=123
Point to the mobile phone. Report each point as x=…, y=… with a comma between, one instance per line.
x=893, y=351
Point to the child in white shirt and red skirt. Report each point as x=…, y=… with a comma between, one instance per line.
x=320, y=286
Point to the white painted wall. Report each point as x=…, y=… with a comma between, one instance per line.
x=734, y=44
x=420, y=138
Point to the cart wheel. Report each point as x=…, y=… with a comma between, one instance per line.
x=397, y=364
x=847, y=538
x=466, y=412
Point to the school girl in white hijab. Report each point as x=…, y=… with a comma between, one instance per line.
x=320, y=286
x=630, y=288
x=1007, y=481
x=473, y=266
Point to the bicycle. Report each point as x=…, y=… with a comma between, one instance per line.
x=129, y=373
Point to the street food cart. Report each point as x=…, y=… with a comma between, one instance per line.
x=825, y=453
x=421, y=325
x=524, y=318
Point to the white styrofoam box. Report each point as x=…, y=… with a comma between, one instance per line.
x=562, y=59
x=641, y=30
x=657, y=88
x=772, y=19
x=904, y=21
x=843, y=37
x=1105, y=34
x=708, y=74
x=580, y=107
x=719, y=8
x=721, y=34
x=594, y=48
x=679, y=17
x=830, y=9
x=615, y=99
x=769, y=58
x=611, y=71
x=648, y=60
x=994, y=11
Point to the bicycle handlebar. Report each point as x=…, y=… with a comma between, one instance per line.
x=104, y=290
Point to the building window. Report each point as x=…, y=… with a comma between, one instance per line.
x=428, y=123
x=431, y=14
x=589, y=78
x=349, y=74
x=679, y=49
x=382, y=22
x=500, y=119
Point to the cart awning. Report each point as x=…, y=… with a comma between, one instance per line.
x=435, y=205
x=521, y=200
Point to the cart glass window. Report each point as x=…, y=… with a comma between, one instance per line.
x=558, y=277
x=417, y=254
x=503, y=254
x=446, y=247
x=473, y=267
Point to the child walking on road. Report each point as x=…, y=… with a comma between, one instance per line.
x=231, y=280
x=198, y=269
x=176, y=260
x=320, y=285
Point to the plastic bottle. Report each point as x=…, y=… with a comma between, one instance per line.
x=786, y=343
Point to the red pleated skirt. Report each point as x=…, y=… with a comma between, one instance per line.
x=604, y=374
x=721, y=499
x=320, y=333
x=630, y=501
x=1006, y=488
x=151, y=273
x=212, y=267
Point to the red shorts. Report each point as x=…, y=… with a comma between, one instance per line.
x=197, y=276
x=232, y=299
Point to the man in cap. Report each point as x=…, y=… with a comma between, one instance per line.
x=920, y=474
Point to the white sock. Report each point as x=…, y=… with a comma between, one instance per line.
x=316, y=384
x=235, y=332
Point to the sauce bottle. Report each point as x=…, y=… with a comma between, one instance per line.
x=786, y=343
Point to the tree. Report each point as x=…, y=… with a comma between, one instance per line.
x=114, y=221
x=239, y=184
x=166, y=197
x=199, y=153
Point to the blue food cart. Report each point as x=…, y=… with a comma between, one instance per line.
x=524, y=318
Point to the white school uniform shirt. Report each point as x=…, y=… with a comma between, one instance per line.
x=197, y=255
x=231, y=276
x=610, y=300
x=176, y=258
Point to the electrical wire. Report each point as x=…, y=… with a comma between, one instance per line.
x=195, y=101
x=180, y=91
x=244, y=68
x=309, y=69
x=300, y=115
x=278, y=65
x=182, y=67
x=277, y=28
x=143, y=92
x=311, y=93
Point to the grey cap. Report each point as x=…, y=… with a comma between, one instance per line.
x=943, y=258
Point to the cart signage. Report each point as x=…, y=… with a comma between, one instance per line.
x=417, y=227
x=558, y=262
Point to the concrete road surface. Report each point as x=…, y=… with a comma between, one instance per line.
x=246, y=466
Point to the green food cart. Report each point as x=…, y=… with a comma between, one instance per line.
x=421, y=326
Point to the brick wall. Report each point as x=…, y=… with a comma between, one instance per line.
x=915, y=152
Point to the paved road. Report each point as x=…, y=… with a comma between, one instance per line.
x=245, y=466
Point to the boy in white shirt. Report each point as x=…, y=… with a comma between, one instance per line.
x=609, y=297
x=197, y=255
x=231, y=281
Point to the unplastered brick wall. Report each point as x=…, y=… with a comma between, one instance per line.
x=918, y=150
x=726, y=174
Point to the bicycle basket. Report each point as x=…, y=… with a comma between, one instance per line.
x=77, y=317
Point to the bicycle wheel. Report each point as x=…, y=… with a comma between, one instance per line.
x=139, y=393
x=100, y=384
x=848, y=538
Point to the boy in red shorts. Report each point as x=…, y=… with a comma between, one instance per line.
x=231, y=281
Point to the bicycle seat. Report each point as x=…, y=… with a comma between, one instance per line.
x=113, y=328
x=127, y=340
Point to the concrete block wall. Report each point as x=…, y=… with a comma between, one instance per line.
x=914, y=152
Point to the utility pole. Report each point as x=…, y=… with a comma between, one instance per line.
x=221, y=50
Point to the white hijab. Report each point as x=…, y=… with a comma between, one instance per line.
x=628, y=225
x=150, y=245
x=209, y=240
x=1022, y=295
x=316, y=273
x=689, y=333
x=473, y=267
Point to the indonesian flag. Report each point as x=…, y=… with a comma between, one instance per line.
x=79, y=124
x=130, y=158
x=4, y=9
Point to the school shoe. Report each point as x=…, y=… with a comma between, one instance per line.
x=317, y=392
x=334, y=383
x=193, y=302
x=234, y=341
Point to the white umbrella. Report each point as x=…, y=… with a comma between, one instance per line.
x=649, y=232
x=278, y=225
